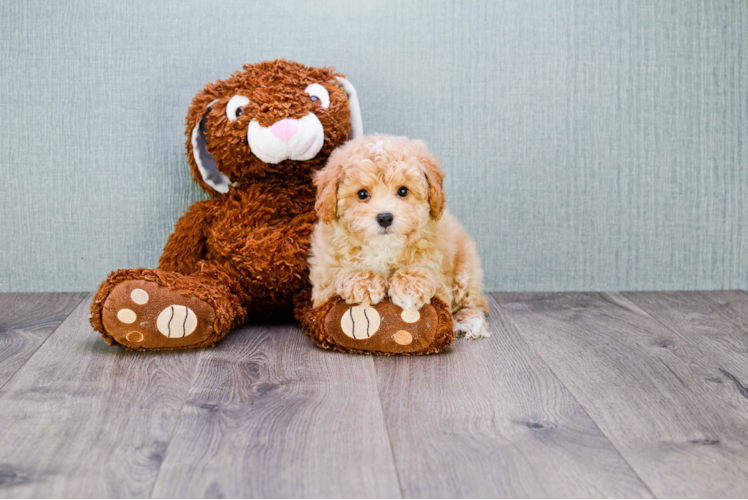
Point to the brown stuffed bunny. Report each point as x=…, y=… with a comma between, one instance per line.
x=253, y=141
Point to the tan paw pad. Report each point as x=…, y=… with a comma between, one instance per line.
x=135, y=337
x=410, y=315
x=127, y=316
x=360, y=322
x=176, y=321
x=139, y=296
x=403, y=337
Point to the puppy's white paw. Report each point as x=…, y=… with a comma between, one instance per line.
x=409, y=302
x=361, y=288
x=471, y=324
x=412, y=289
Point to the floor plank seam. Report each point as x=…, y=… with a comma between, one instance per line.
x=571, y=393
x=387, y=428
x=45, y=341
x=176, y=424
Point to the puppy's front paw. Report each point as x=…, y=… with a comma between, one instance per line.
x=361, y=287
x=412, y=289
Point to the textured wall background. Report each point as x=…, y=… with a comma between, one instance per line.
x=588, y=144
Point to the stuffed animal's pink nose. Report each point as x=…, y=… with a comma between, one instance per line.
x=284, y=129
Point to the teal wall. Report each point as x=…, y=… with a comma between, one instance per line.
x=589, y=145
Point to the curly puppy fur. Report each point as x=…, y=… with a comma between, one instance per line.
x=245, y=251
x=383, y=231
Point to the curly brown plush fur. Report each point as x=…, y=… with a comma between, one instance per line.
x=243, y=252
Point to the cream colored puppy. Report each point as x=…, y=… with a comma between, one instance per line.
x=383, y=231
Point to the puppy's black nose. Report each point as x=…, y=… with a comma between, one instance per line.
x=385, y=219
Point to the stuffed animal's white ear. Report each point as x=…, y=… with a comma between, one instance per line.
x=206, y=164
x=357, y=124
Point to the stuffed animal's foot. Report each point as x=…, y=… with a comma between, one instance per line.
x=384, y=328
x=143, y=314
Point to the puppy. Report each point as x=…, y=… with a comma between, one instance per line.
x=383, y=231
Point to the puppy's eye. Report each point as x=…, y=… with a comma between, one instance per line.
x=234, y=107
x=363, y=194
x=402, y=192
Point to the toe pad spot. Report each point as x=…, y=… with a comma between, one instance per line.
x=134, y=337
x=410, y=315
x=139, y=296
x=126, y=316
x=403, y=337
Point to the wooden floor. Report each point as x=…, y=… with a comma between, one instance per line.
x=574, y=395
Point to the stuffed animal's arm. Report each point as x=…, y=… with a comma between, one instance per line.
x=186, y=245
x=279, y=253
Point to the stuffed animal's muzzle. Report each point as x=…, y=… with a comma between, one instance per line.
x=287, y=139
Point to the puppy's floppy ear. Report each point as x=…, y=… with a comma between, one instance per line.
x=435, y=178
x=327, y=181
x=204, y=167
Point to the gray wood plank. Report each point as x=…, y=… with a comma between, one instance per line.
x=488, y=418
x=271, y=415
x=82, y=419
x=715, y=321
x=26, y=320
x=659, y=399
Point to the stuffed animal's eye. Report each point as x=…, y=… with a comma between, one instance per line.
x=234, y=107
x=363, y=194
x=402, y=192
x=318, y=93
